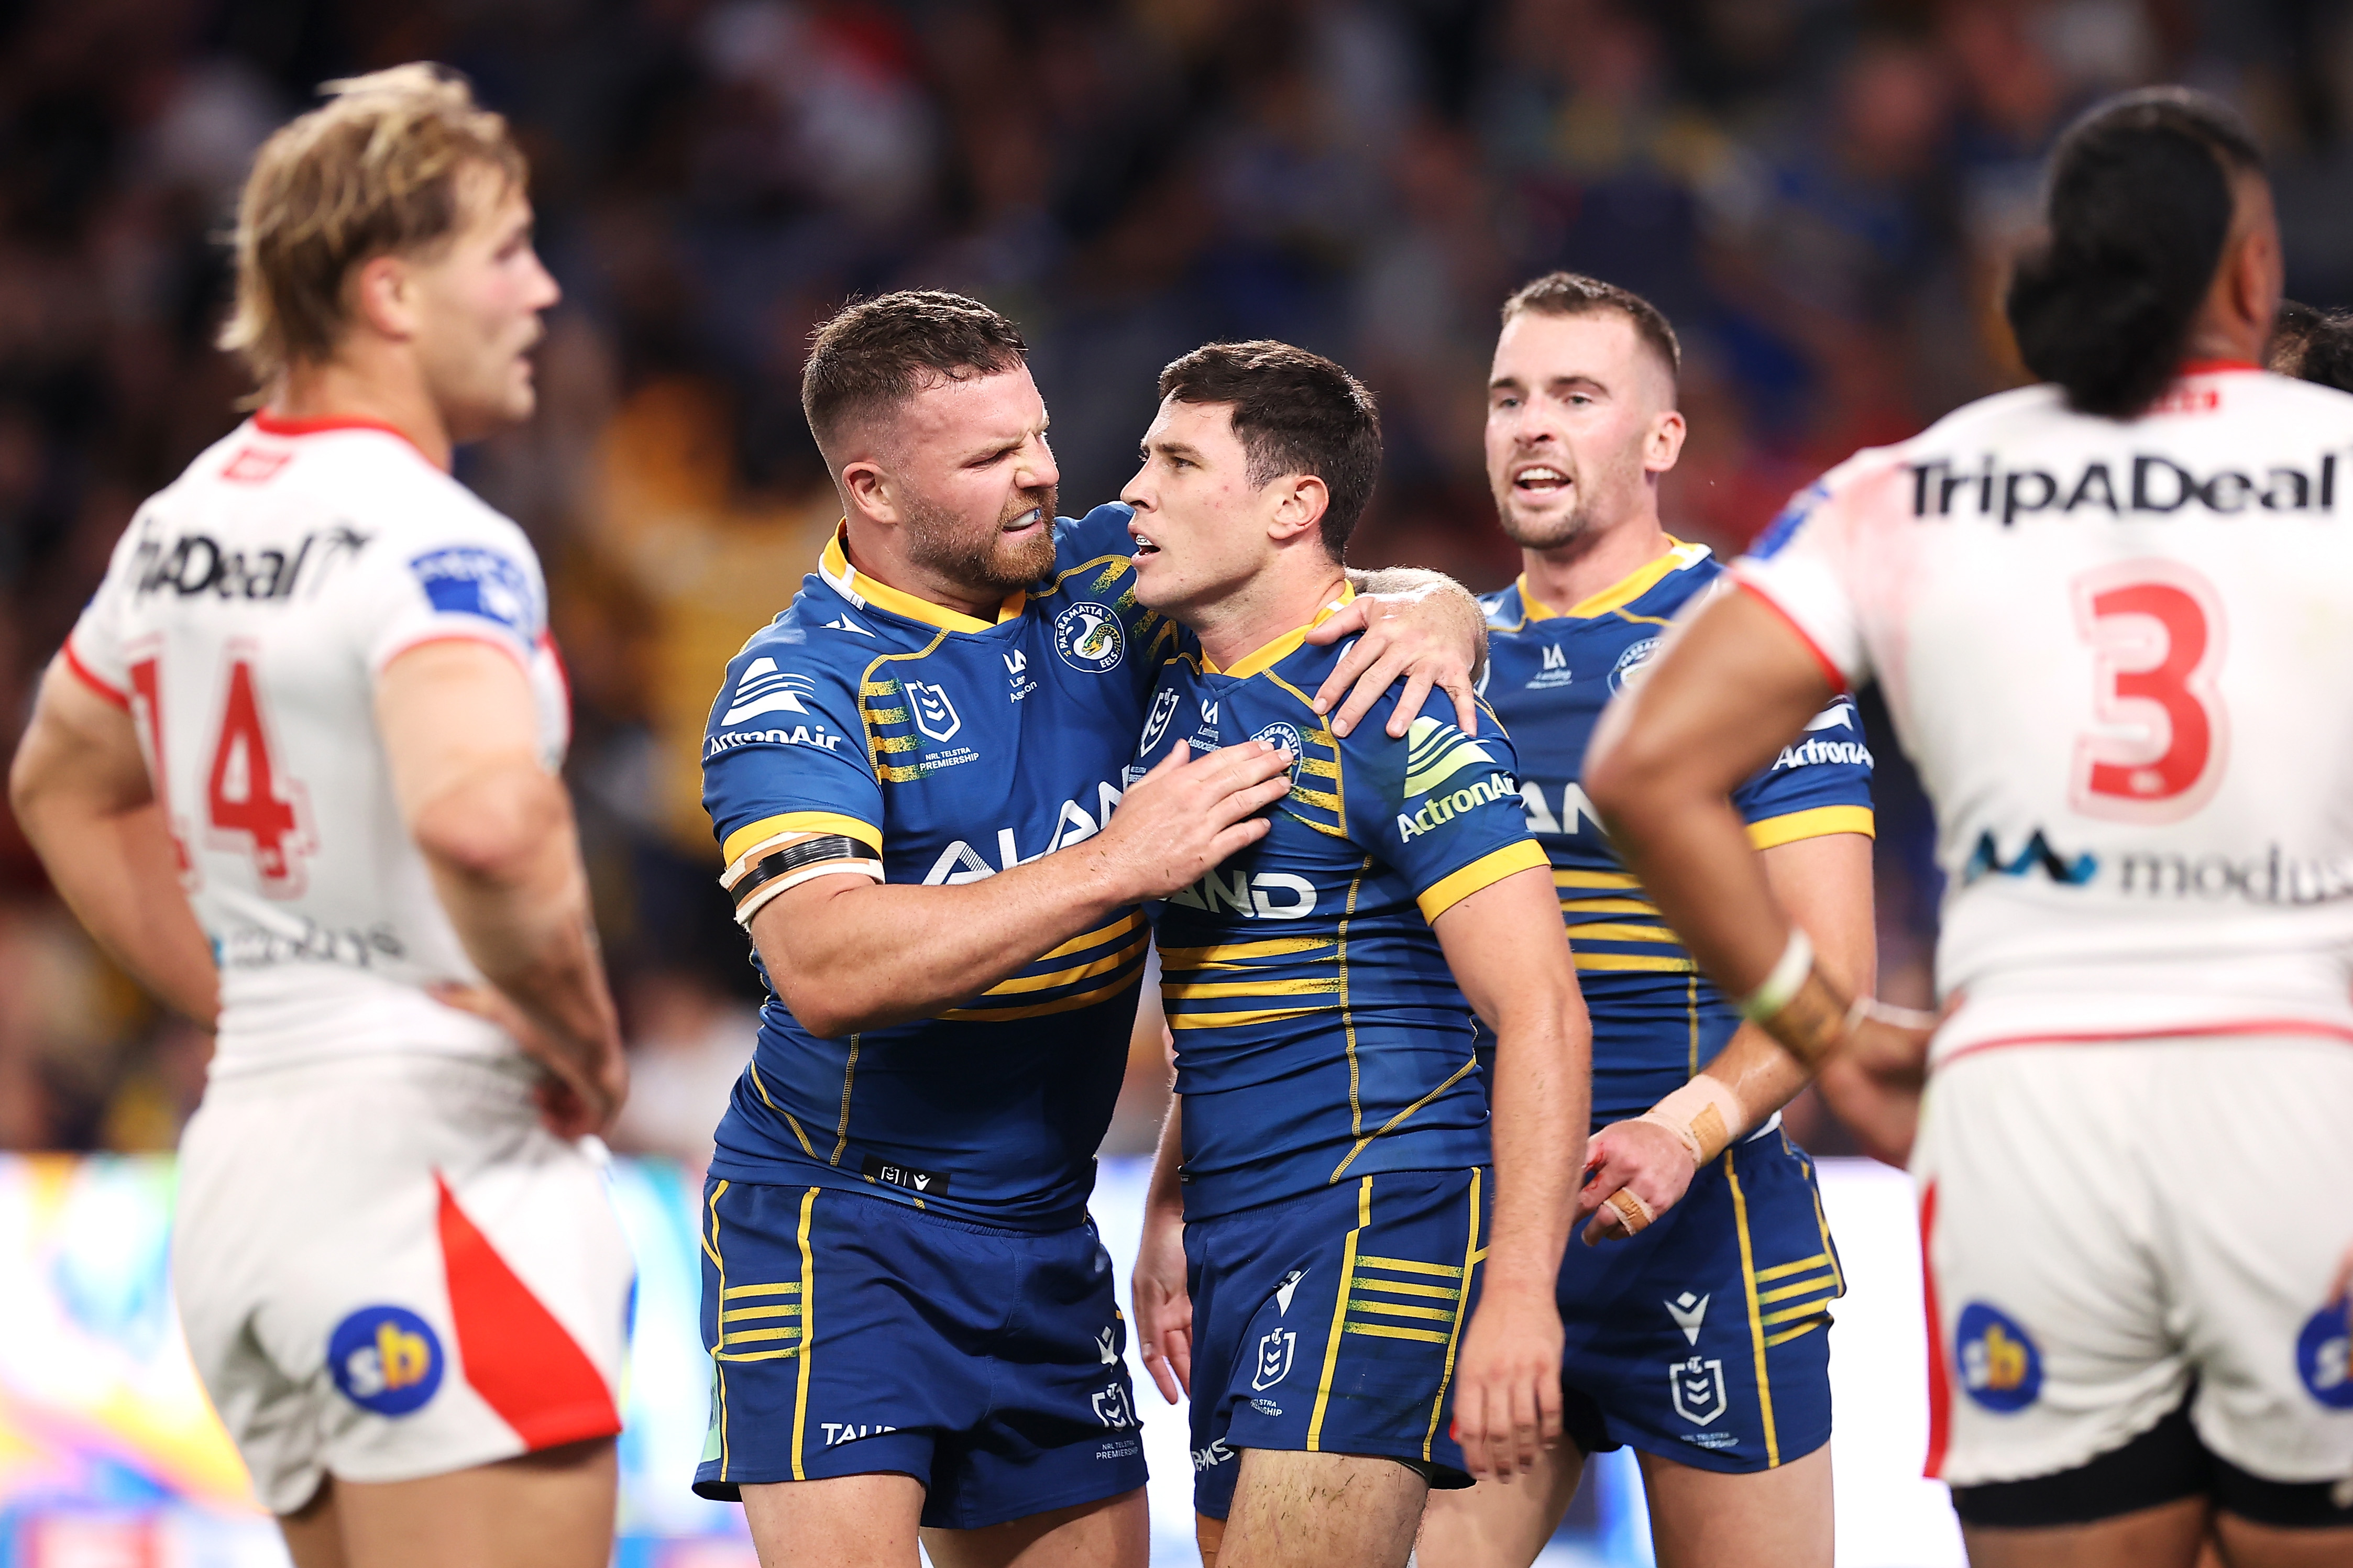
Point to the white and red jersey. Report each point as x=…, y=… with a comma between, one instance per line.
x=244, y=620
x=2120, y=654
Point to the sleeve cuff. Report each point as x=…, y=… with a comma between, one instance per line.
x=1526, y=854
x=1837, y=677
x=1818, y=823
x=93, y=679
x=746, y=843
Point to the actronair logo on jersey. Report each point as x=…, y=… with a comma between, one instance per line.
x=2143, y=485
x=1839, y=715
x=764, y=689
x=1439, y=810
x=196, y=564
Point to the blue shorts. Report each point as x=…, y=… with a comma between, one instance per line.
x=1706, y=1338
x=862, y=1336
x=1327, y=1323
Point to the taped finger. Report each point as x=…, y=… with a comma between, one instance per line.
x=1633, y=1215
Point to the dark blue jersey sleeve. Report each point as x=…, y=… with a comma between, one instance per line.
x=1441, y=808
x=1819, y=785
x=787, y=779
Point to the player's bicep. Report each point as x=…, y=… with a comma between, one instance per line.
x=1507, y=948
x=450, y=711
x=1825, y=884
x=787, y=925
x=80, y=745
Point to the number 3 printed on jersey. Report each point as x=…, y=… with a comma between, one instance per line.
x=2160, y=739
x=248, y=804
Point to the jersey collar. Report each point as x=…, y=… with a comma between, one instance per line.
x=1620, y=593
x=1260, y=660
x=270, y=423
x=845, y=579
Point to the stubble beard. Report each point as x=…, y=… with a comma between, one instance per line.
x=942, y=542
x=1547, y=533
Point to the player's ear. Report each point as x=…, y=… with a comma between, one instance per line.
x=382, y=295
x=866, y=487
x=1300, y=501
x=1666, y=443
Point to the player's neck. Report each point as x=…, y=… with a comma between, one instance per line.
x=1567, y=575
x=870, y=554
x=382, y=395
x=1278, y=600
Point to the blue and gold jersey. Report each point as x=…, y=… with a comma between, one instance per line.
x=1320, y=1036
x=1656, y=1019
x=866, y=731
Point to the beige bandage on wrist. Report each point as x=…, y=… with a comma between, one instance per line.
x=1703, y=1114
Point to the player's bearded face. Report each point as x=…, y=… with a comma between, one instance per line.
x=973, y=479
x=1011, y=551
x=1572, y=413
x=471, y=308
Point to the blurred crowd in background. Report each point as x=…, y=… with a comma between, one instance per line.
x=1822, y=193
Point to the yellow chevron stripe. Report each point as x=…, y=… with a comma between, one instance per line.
x=1229, y=954
x=1203, y=990
x=1094, y=937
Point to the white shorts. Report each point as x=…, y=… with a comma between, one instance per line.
x=2107, y=1224
x=389, y=1268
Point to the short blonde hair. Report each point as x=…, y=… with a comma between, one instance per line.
x=374, y=171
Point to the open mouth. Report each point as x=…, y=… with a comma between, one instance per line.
x=1144, y=546
x=1027, y=519
x=1539, y=480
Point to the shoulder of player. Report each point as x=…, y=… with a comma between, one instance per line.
x=1100, y=539
x=820, y=635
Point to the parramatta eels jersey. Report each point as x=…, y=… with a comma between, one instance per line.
x=2120, y=653
x=1320, y=1035
x=1656, y=1020
x=866, y=731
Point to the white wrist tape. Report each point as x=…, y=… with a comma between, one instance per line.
x=1704, y=1114
x=1789, y=974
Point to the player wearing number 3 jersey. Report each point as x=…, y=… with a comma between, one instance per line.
x=2110, y=619
x=316, y=690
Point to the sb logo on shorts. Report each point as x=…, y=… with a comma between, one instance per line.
x=2324, y=1358
x=387, y=1360
x=1999, y=1366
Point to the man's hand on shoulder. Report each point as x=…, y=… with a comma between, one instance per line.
x=1420, y=628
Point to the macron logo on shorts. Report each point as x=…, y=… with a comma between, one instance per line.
x=764, y=689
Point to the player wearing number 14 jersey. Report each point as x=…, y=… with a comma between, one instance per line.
x=316, y=687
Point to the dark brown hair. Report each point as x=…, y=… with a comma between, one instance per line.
x=1294, y=413
x=873, y=354
x=2140, y=206
x=2313, y=345
x=1575, y=294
